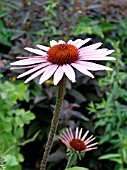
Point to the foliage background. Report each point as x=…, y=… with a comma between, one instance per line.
x=98, y=105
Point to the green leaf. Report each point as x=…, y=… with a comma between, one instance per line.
x=77, y=168
x=20, y=157
x=10, y=160
x=109, y=156
x=107, y=26
x=2, y=13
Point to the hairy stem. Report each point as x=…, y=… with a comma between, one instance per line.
x=54, y=124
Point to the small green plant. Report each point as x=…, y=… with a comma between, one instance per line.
x=12, y=121
x=112, y=113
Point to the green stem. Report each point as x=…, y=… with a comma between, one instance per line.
x=70, y=161
x=54, y=124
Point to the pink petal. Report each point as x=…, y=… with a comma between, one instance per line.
x=28, y=61
x=68, y=138
x=42, y=47
x=92, y=145
x=79, y=44
x=92, y=66
x=82, y=69
x=96, y=58
x=18, y=68
x=48, y=73
x=68, y=70
x=93, y=52
x=80, y=133
x=91, y=47
x=61, y=42
x=52, y=43
x=69, y=134
x=33, y=69
x=89, y=149
x=39, y=52
x=70, y=42
x=35, y=75
x=90, y=141
x=63, y=137
x=85, y=135
x=44, y=57
x=76, y=133
x=66, y=143
x=77, y=41
x=58, y=75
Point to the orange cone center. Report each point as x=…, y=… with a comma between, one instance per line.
x=78, y=145
x=62, y=54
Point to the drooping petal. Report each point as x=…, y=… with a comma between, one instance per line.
x=97, y=58
x=58, y=75
x=36, y=51
x=100, y=52
x=91, y=47
x=28, y=61
x=48, y=73
x=42, y=47
x=82, y=69
x=33, y=69
x=79, y=44
x=77, y=41
x=36, y=74
x=37, y=56
x=18, y=68
x=93, y=52
x=68, y=70
x=52, y=43
x=92, y=66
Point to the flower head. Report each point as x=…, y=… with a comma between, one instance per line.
x=62, y=58
x=77, y=143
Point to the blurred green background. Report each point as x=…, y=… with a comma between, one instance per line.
x=98, y=105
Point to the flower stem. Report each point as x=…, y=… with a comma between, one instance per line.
x=70, y=161
x=54, y=124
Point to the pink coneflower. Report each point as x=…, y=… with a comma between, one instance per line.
x=77, y=143
x=62, y=58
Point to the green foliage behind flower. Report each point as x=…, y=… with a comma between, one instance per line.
x=12, y=121
x=44, y=22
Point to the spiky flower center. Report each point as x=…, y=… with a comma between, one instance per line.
x=77, y=145
x=62, y=54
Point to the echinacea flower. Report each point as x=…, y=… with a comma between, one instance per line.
x=78, y=143
x=62, y=58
